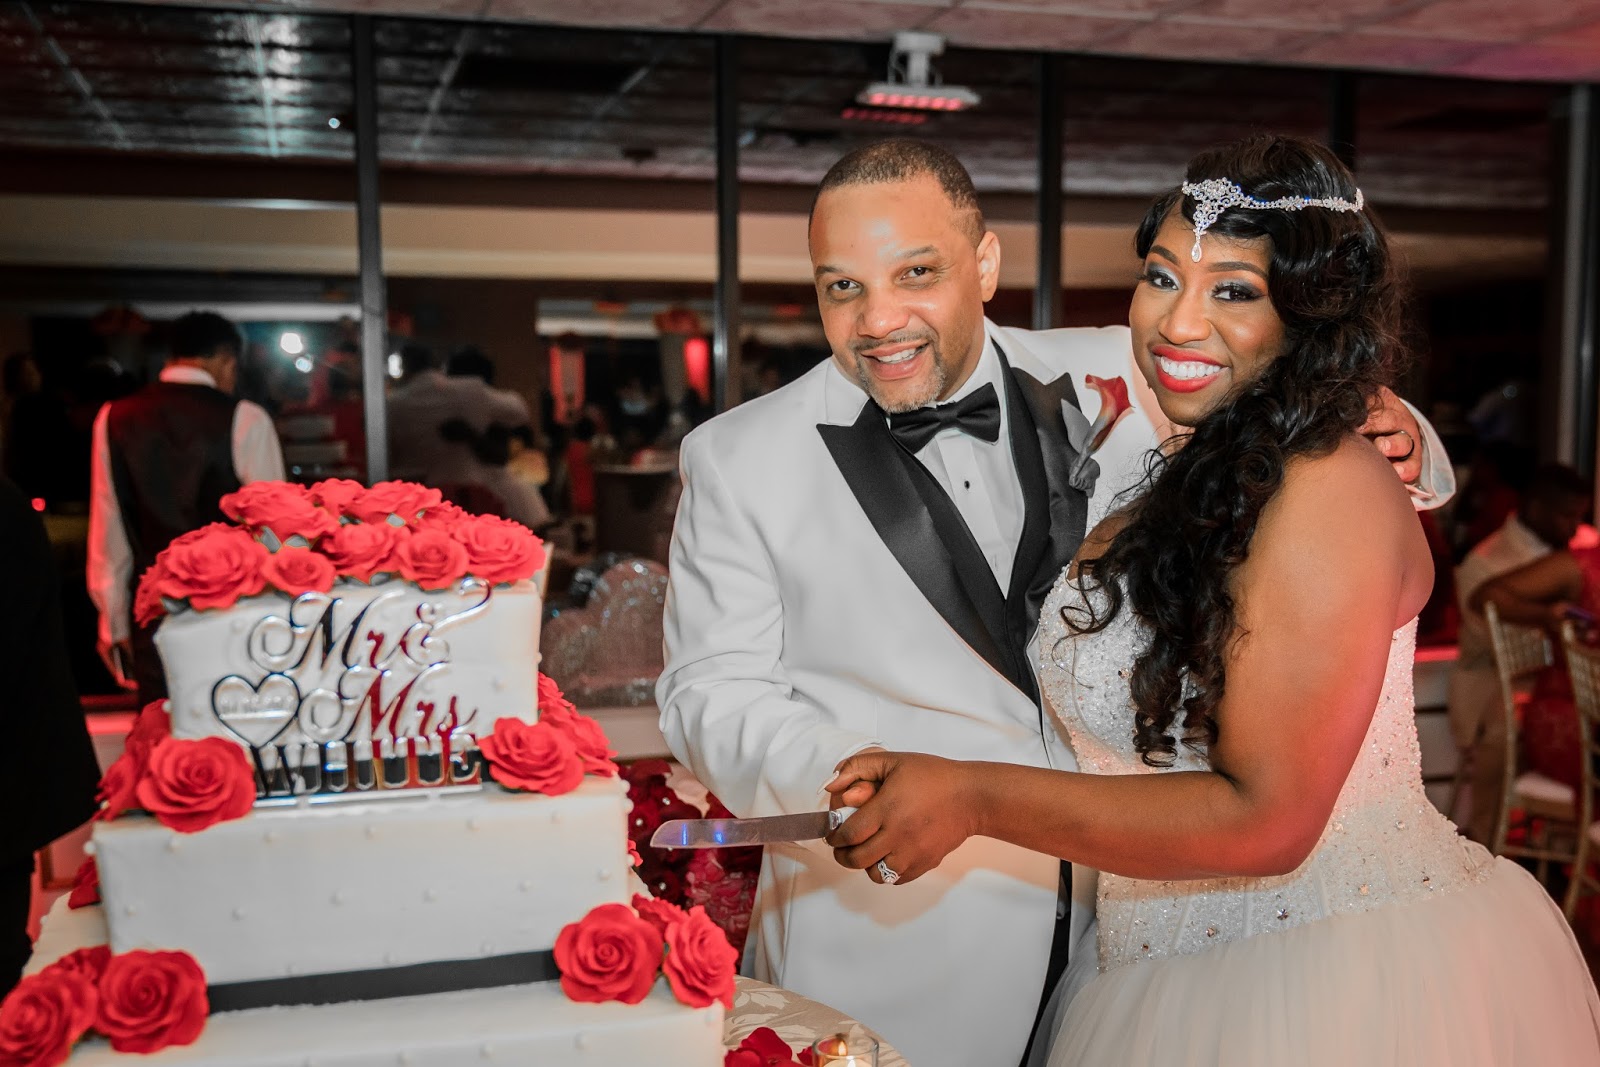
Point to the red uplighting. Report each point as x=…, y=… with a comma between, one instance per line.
x=697, y=366
x=38, y=503
x=935, y=100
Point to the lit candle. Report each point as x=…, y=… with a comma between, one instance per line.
x=837, y=1050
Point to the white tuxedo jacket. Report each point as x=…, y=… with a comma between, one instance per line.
x=821, y=601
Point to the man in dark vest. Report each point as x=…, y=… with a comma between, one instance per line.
x=163, y=458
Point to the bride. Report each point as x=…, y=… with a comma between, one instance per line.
x=1231, y=655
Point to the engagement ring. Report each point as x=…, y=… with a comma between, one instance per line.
x=887, y=873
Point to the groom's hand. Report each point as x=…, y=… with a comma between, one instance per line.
x=1391, y=426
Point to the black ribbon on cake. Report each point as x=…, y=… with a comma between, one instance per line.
x=383, y=983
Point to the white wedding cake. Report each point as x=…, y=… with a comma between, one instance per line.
x=365, y=818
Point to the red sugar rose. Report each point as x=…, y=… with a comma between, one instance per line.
x=299, y=570
x=445, y=515
x=658, y=913
x=147, y=605
x=537, y=758
x=150, y=1000
x=189, y=785
x=42, y=1017
x=432, y=559
x=282, y=507
x=364, y=549
x=151, y=726
x=335, y=494
x=611, y=954
x=119, y=786
x=85, y=885
x=212, y=570
x=499, y=550
x=700, y=962
x=588, y=736
x=550, y=695
x=404, y=500
x=89, y=962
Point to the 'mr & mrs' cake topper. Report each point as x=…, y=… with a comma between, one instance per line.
x=369, y=719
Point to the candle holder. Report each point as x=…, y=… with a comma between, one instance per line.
x=844, y=1050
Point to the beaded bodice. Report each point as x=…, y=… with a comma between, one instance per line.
x=1384, y=844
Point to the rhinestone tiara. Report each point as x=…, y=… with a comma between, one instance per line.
x=1215, y=195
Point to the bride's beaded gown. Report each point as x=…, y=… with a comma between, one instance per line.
x=1397, y=941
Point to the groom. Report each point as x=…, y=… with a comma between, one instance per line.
x=859, y=561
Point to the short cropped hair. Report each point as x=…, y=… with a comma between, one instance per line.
x=469, y=361
x=905, y=159
x=199, y=334
x=416, y=357
x=1554, y=483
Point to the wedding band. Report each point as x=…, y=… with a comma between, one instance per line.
x=887, y=873
x=1409, y=452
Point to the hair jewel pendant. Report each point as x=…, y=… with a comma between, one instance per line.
x=1215, y=195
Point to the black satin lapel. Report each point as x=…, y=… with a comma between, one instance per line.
x=1067, y=514
x=1027, y=454
x=917, y=532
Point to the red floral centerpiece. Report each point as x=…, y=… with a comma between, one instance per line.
x=720, y=880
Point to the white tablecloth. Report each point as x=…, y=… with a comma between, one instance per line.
x=795, y=1019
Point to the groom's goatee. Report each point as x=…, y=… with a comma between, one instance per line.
x=936, y=381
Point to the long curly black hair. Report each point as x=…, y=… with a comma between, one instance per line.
x=1333, y=286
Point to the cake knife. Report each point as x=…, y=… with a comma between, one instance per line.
x=739, y=833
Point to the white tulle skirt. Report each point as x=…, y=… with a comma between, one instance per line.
x=1488, y=975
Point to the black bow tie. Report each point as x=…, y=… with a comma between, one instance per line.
x=978, y=415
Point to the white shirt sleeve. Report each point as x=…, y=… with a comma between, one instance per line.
x=109, y=569
x=256, y=454
x=1437, y=483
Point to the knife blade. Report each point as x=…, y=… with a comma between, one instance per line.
x=739, y=833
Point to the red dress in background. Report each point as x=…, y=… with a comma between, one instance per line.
x=1549, y=736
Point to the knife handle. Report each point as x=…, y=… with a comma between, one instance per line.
x=837, y=816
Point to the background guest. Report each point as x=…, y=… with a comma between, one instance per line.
x=1561, y=585
x=162, y=459
x=1556, y=503
x=50, y=785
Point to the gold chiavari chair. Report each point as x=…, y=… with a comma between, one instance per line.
x=1583, y=664
x=1548, y=807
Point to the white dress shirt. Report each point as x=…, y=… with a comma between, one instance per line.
x=256, y=458
x=980, y=476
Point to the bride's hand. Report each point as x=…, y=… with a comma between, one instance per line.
x=921, y=811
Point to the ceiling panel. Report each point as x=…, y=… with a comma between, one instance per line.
x=465, y=91
x=989, y=28
x=1323, y=14
x=1385, y=51
x=1495, y=21
x=1194, y=39
x=1529, y=61
x=817, y=18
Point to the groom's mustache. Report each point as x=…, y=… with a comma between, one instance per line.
x=862, y=348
